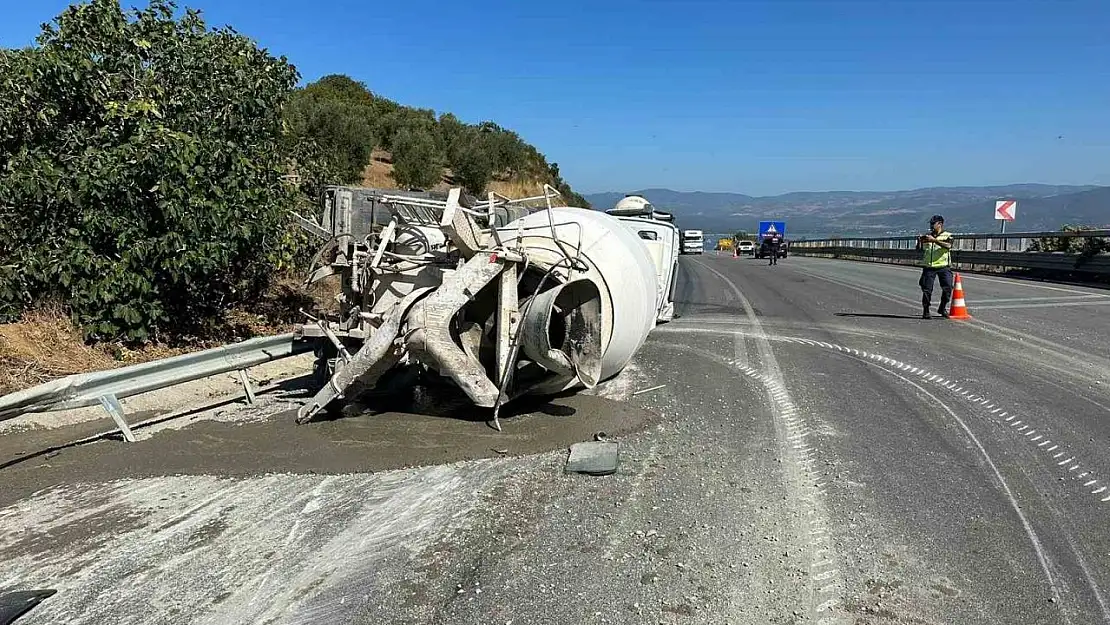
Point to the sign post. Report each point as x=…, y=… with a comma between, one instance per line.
x=1005, y=210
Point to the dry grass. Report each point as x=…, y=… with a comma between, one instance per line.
x=517, y=188
x=44, y=344
x=379, y=174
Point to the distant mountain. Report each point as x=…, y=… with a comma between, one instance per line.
x=821, y=213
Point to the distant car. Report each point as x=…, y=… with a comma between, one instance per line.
x=745, y=247
x=761, y=252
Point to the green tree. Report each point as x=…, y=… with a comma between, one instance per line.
x=470, y=163
x=416, y=158
x=343, y=131
x=389, y=124
x=451, y=134
x=143, y=169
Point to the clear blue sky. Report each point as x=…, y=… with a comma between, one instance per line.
x=759, y=97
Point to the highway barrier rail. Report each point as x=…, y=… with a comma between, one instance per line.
x=977, y=252
x=106, y=388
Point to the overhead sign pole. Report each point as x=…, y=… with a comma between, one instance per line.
x=1005, y=210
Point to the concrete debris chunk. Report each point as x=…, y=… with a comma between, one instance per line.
x=593, y=458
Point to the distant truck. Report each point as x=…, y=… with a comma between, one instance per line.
x=769, y=229
x=693, y=242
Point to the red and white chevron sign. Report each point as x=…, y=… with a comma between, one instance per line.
x=1005, y=209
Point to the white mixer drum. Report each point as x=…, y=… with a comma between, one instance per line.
x=614, y=258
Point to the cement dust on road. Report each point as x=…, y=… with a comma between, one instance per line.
x=257, y=519
x=365, y=442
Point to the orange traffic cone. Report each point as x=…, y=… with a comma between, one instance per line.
x=959, y=306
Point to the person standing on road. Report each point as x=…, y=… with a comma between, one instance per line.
x=936, y=263
x=773, y=248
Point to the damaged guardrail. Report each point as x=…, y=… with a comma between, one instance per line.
x=106, y=388
x=973, y=252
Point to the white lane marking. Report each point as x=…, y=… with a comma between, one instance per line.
x=1091, y=482
x=971, y=278
x=1066, y=298
x=1098, y=490
x=1046, y=305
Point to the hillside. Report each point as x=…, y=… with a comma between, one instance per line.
x=967, y=209
x=379, y=174
x=347, y=134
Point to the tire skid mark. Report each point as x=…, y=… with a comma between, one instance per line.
x=825, y=606
x=822, y=568
x=998, y=415
x=998, y=419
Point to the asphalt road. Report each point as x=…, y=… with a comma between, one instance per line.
x=817, y=454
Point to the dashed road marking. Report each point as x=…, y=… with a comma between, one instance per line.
x=1032, y=434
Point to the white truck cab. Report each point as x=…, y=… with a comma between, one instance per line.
x=693, y=242
x=659, y=235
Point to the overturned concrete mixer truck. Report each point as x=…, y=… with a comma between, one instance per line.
x=503, y=297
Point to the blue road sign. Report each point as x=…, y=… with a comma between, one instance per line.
x=772, y=227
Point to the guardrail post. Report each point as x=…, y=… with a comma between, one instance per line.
x=248, y=390
x=115, y=409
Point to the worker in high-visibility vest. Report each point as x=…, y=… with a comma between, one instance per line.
x=936, y=264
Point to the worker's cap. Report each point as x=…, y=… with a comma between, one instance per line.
x=936, y=219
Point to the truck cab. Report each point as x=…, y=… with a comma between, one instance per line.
x=658, y=233
x=693, y=242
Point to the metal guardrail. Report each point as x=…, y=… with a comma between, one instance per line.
x=106, y=388
x=969, y=251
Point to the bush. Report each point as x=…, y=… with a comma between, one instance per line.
x=416, y=159
x=470, y=162
x=341, y=130
x=1085, y=247
x=143, y=163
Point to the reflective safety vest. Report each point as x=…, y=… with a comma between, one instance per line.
x=936, y=256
